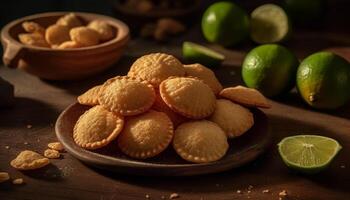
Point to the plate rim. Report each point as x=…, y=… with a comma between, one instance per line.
x=100, y=160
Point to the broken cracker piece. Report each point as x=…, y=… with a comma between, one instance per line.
x=4, y=176
x=28, y=160
x=18, y=181
x=56, y=146
x=174, y=196
x=50, y=153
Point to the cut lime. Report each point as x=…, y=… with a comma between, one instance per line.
x=269, y=24
x=308, y=153
x=196, y=53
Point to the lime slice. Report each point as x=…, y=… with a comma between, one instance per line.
x=308, y=153
x=269, y=24
x=196, y=53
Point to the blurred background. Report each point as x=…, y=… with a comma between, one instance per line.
x=332, y=22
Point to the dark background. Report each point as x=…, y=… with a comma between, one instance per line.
x=337, y=11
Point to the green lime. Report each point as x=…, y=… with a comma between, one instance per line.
x=196, y=53
x=308, y=153
x=323, y=80
x=270, y=68
x=305, y=11
x=225, y=23
x=269, y=24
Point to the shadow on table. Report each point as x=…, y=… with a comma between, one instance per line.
x=47, y=173
x=27, y=111
x=294, y=99
x=77, y=87
x=266, y=171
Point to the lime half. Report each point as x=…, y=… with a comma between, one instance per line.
x=269, y=24
x=196, y=53
x=308, y=153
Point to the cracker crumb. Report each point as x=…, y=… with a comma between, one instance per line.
x=18, y=181
x=29, y=126
x=265, y=191
x=147, y=196
x=56, y=146
x=282, y=195
x=50, y=153
x=249, y=191
x=7, y=147
x=239, y=192
x=250, y=187
x=174, y=196
x=4, y=176
x=26, y=143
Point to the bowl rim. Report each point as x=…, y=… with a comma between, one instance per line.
x=122, y=37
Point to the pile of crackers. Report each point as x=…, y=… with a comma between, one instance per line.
x=162, y=103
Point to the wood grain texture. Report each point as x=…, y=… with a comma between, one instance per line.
x=39, y=103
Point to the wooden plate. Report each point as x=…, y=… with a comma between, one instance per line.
x=242, y=150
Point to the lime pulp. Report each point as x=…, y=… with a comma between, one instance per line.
x=308, y=153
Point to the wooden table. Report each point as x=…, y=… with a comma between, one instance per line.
x=39, y=102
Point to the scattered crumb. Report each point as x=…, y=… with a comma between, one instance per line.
x=18, y=181
x=239, y=192
x=217, y=185
x=342, y=166
x=249, y=191
x=50, y=153
x=265, y=191
x=174, y=196
x=7, y=147
x=147, y=196
x=29, y=126
x=56, y=146
x=232, y=73
x=250, y=187
x=162, y=197
x=282, y=195
x=26, y=143
x=4, y=176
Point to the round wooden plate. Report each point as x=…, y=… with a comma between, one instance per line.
x=242, y=150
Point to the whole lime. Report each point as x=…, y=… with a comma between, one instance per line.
x=225, y=23
x=270, y=68
x=323, y=80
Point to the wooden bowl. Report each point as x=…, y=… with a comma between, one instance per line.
x=242, y=150
x=62, y=64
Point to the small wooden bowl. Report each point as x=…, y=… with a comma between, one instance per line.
x=62, y=64
x=243, y=150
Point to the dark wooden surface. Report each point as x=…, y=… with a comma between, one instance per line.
x=39, y=103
